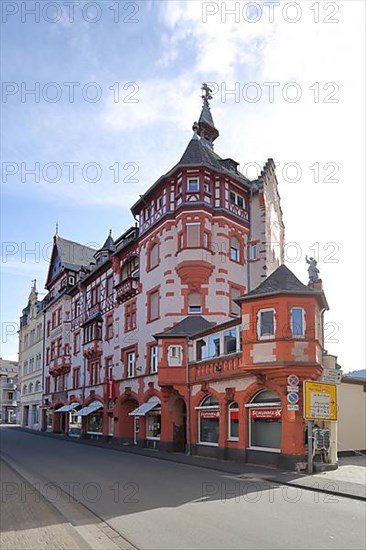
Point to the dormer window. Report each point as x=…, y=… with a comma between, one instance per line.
x=193, y=185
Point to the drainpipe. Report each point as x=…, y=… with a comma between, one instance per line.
x=249, y=236
x=188, y=450
x=44, y=416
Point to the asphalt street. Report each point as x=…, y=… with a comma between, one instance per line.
x=158, y=504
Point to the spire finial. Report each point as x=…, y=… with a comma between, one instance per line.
x=206, y=126
x=110, y=232
x=206, y=96
x=56, y=231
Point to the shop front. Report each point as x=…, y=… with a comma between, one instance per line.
x=208, y=425
x=265, y=427
x=151, y=410
x=92, y=417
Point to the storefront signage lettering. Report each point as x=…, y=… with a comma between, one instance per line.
x=210, y=414
x=265, y=413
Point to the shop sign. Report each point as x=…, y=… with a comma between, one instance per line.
x=210, y=414
x=320, y=401
x=265, y=413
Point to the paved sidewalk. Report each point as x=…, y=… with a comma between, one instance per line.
x=28, y=521
x=349, y=480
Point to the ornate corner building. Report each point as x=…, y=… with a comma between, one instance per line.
x=181, y=333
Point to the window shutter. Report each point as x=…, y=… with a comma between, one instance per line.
x=193, y=235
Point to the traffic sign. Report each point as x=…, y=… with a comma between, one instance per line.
x=293, y=380
x=320, y=401
x=293, y=407
x=331, y=376
x=292, y=388
x=293, y=398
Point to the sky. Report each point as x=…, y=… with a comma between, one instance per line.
x=98, y=101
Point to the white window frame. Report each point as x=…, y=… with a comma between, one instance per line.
x=258, y=406
x=177, y=352
x=235, y=201
x=194, y=309
x=253, y=252
x=131, y=364
x=154, y=359
x=207, y=408
x=238, y=329
x=266, y=336
x=237, y=250
x=190, y=181
x=231, y=409
x=302, y=321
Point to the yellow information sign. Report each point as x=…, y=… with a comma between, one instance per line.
x=320, y=401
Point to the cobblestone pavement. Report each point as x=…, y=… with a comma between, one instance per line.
x=28, y=521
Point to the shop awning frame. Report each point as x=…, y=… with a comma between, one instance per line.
x=67, y=408
x=143, y=409
x=92, y=407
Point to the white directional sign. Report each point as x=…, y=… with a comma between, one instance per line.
x=331, y=376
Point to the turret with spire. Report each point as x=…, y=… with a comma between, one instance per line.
x=205, y=127
x=107, y=249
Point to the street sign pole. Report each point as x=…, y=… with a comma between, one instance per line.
x=310, y=446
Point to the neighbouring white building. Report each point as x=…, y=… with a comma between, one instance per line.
x=9, y=393
x=31, y=361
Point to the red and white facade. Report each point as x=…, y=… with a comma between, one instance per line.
x=206, y=235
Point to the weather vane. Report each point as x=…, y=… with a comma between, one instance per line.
x=206, y=96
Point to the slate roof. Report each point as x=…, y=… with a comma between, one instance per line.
x=282, y=281
x=187, y=327
x=73, y=255
x=206, y=116
x=109, y=245
x=198, y=153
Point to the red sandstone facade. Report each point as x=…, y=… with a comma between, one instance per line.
x=156, y=340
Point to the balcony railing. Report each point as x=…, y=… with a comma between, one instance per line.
x=209, y=369
x=93, y=348
x=213, y=368
x=9, y=385
x=9, y=403
x=61, y=364
x=127, y=288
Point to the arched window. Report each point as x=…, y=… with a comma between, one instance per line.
x=38, y=386
x=265, y=427
x=235, y=249
x=208, y=421
x=233, y=419
x=153, y=256
x=31, y=387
